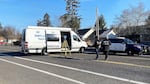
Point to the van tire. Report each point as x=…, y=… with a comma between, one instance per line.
x=44, y=52
x=82, y=49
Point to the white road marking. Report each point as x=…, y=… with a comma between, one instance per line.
x=139, y=57
x=85, y=71
x=10, y=49
x=123, y=63
x=42, y=71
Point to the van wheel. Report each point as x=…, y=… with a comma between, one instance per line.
x=82, y=49
x=44, y=52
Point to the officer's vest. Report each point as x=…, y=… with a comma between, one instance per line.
x=105, y=43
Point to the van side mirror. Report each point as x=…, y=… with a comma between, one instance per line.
x=78, y=40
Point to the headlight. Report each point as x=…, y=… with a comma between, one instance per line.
x=138, y=46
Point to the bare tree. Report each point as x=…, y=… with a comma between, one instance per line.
x=133, y=16
x=138, y=14
x=1, y=29
x=1, y=26
x=148, y=20
x=9, y=32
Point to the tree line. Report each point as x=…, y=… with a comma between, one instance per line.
x=71, y=18
x=9, y=32
x=127, y=23
x=134, y=20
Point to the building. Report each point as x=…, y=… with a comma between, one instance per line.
x=88, y=34
x=2, y=40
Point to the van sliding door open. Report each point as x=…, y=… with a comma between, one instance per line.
x=67, y=36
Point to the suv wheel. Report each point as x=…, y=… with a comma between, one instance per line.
x=130, y=52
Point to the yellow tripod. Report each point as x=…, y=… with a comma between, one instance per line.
x=65, y=47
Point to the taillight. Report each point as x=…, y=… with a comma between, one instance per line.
x=26, y=45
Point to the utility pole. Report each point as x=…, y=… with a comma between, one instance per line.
x=97, y=24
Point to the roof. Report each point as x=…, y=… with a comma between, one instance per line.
x=83, y=31
x=54, y=28
x=108, y=34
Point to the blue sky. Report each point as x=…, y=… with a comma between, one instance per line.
x=22, y=13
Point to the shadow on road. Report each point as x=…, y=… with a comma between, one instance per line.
x=66, y=58
x=11, y=54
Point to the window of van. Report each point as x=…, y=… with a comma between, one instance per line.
x=52, y=37
x=75, y=38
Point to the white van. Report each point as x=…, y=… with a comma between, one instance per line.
x=44, y=40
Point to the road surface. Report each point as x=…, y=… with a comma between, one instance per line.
x=77, y=68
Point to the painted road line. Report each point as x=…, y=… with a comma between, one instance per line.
x=122, y=63
x=42, y=71
x=10, y=49
x=85, y=71
x=139, y=58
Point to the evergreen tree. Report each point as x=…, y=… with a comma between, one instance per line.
x=45, y=21
x=71, y=18
x=102, y=23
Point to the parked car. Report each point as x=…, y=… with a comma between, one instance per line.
x=17, y=43
x=121, y=44
x=2, y=43
x=146, y=47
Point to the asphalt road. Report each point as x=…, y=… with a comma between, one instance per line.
x=77, y=68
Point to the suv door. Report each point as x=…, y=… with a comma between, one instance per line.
x=117, y=45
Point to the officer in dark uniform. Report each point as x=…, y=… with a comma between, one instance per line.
x=105, y=47
x=97, y=45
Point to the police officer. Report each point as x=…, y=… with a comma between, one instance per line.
x=105, y=47
x=97, y=45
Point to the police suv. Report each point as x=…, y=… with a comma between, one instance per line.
x=121, y=44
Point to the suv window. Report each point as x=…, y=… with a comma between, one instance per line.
x=116, y=40
x=128, y=41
